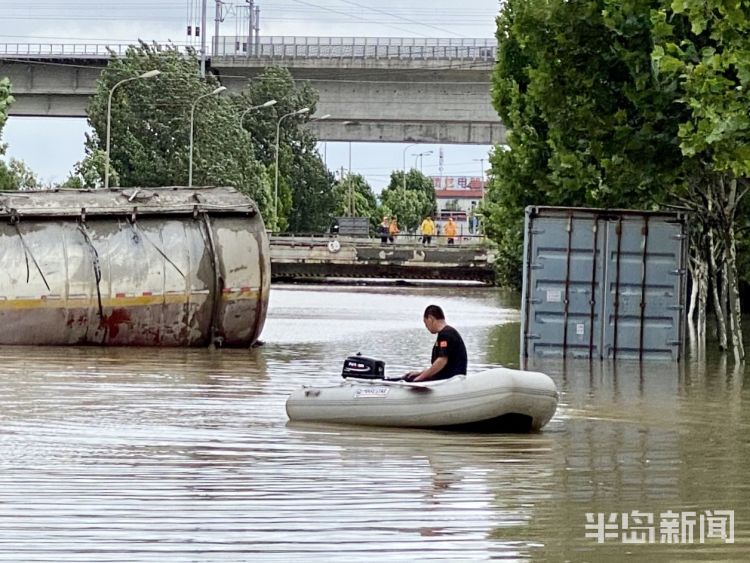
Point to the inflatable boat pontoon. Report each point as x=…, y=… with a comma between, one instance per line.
x=498, y=400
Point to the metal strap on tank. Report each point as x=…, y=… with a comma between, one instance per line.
x=566, y=302
x=644, y=263
x=592, y=299
x=618, y=230
x=94, y=260
x=140, y=232
x=218, y=290
x=27, y=252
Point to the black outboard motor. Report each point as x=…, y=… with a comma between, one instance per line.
x=363, y=367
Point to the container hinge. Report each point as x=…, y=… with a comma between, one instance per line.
x=533, y=336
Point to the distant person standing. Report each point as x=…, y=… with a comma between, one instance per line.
x=428, y=229
x=393, y=230
x=383, y=230
x=451, y=231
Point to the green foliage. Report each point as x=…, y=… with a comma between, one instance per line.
x=306, y=198
x=354, y=197
x=150, y=127
x=702, y=49
x=588, y=125
x=18, y=176
x=89, y=173
x=412, y=204
x=5, y=100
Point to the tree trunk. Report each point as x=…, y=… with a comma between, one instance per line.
x=693, y=292
x=702, y=299
x=728, y=208
x=721, y=326
x=724, y=295
x=735, y=314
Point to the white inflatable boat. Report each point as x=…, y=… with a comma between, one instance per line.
x=498, y=400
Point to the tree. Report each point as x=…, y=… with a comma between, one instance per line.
x=701, y=51
x=5, y=100
x=573, y=85
x=150, y=127
x=89, y=172
x=18, y=176
x=354, y=197
x=606, y=106
x=306, y=199
x=413, y=203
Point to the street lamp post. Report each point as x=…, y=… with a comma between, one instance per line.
x=419, y=156
x=406, y=148
x=268, y=104
x=276, y=182
x=218, y=90
x=147, y=74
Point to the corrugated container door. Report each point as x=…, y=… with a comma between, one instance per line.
x=644, y=297
x=563, y=286
x=603, y=284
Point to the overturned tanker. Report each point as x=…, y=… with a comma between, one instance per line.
x=132, y=267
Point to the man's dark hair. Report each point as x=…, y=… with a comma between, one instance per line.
x=435, y=312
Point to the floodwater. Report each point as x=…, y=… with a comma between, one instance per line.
x=187, y=455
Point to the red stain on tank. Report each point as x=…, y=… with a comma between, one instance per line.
x=111, y=323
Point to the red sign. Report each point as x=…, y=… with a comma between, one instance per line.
x=456, y=183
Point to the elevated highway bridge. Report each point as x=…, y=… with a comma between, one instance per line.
x=374, y=89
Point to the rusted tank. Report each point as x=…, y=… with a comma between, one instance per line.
x=132, y=267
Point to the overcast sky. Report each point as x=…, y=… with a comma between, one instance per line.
x=51, y=146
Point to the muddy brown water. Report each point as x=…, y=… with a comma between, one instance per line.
x=187, y=455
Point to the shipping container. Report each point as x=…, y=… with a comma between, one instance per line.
x=604, y=284
x=137, y=266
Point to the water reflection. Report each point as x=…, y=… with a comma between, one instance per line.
x=185, y=455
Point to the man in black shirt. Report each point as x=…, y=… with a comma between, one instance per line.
x=448, y=353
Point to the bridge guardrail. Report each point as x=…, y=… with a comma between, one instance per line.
x=359, y=48
x=62, y=50
x=405, y=239
x=287, y=48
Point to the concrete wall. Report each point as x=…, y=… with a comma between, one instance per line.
x=369, y=101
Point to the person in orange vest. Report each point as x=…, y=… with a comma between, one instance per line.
x=451, y=231
x=428, y=229
x=393, y=229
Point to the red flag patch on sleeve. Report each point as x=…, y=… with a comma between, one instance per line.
x=443, y=344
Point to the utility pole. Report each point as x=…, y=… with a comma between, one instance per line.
x=256, y=19
x=217, y=21
x=251, y=25
x=203, y=39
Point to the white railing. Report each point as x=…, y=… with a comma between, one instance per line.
x=286, y=48
x=358, y=48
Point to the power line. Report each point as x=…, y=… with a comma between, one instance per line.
x=348, y=14
x=408, y=20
